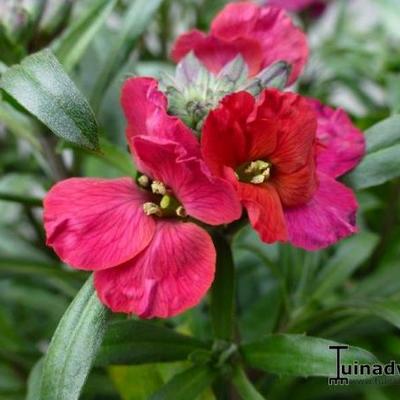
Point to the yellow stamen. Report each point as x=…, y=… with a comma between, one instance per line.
x=158, y=187
x=181, y=212
x=143, y=181
x=152, y=209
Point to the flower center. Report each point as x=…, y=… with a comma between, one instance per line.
x=164, y=203
x=255, y=172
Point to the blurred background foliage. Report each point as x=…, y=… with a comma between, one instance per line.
x=349, y=293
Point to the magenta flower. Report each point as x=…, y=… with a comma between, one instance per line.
x=331, y=213
x=262, y=35
x=140, y=238
x=297, y=5
x=283, y=153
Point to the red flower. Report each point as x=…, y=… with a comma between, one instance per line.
x=147, y=257
x=269, y=148
x=262, y=35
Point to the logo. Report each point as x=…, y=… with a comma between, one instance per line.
x=363, y=373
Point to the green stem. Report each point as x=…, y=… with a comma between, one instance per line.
x=245, y=388
x=223, y=290
x=26, y=200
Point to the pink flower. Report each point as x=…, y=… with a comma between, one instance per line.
x=331, y=214
x=297, y=5
x=284, y=162
x=147, y=255
x=262, y=35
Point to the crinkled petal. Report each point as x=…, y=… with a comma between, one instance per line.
x=93, y=224
x=205, y=197
x=296, y=124
x=145, y=108
x=170, y=276
x=270, y=26
x=342, y=144
x=265, y=211
x=327, y=218
x=297, y=187
x=223, y=140
x=215, y=53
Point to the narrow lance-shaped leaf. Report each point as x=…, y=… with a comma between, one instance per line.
x=244, y=387
x=351, y=254
x=300, y=355
x=382, y=161
x=187, y=385
x=138, y=342
x=74, y=346
x=70, y=47
x=40, y=85
x=136, y=20
x=34, y=381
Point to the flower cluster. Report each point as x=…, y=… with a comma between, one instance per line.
x=266, y=155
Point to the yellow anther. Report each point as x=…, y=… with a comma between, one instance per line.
x=152, y=209
x=181, y=212
x=143, y=181
x=158, y=187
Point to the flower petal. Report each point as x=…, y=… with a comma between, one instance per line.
x=145, y=108
x=295, y=5
x=270, y=26
x=296, y=123
x=342, y=144
x=215, y=53
x=170, y=276
x=327, y=218
x=94, y=224
x=265, y=211
x=223, y=140
x=297, y=187
x=205, y=197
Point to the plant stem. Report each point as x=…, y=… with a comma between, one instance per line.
x=245, y=388
x=25, y=200
x=223, y=290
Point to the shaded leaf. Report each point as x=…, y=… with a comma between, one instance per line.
x=382, y=162
x=70, y=47
x=136, y=20
x=186, y=385
x=138, y=342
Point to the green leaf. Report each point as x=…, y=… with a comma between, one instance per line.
x=126, y=381
x=10, y=52
x=34, y=381
x=136, y=20
x=20, y=125
x=118, y=158
x=186, y=385
x=300, y=355
x=351, y=254
x=223, y=290
x=70, y=47
x=389, y=310
x=137, y=342
x=40, y=85
x=74, y=346
x=244, y=387
x=382, y=162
